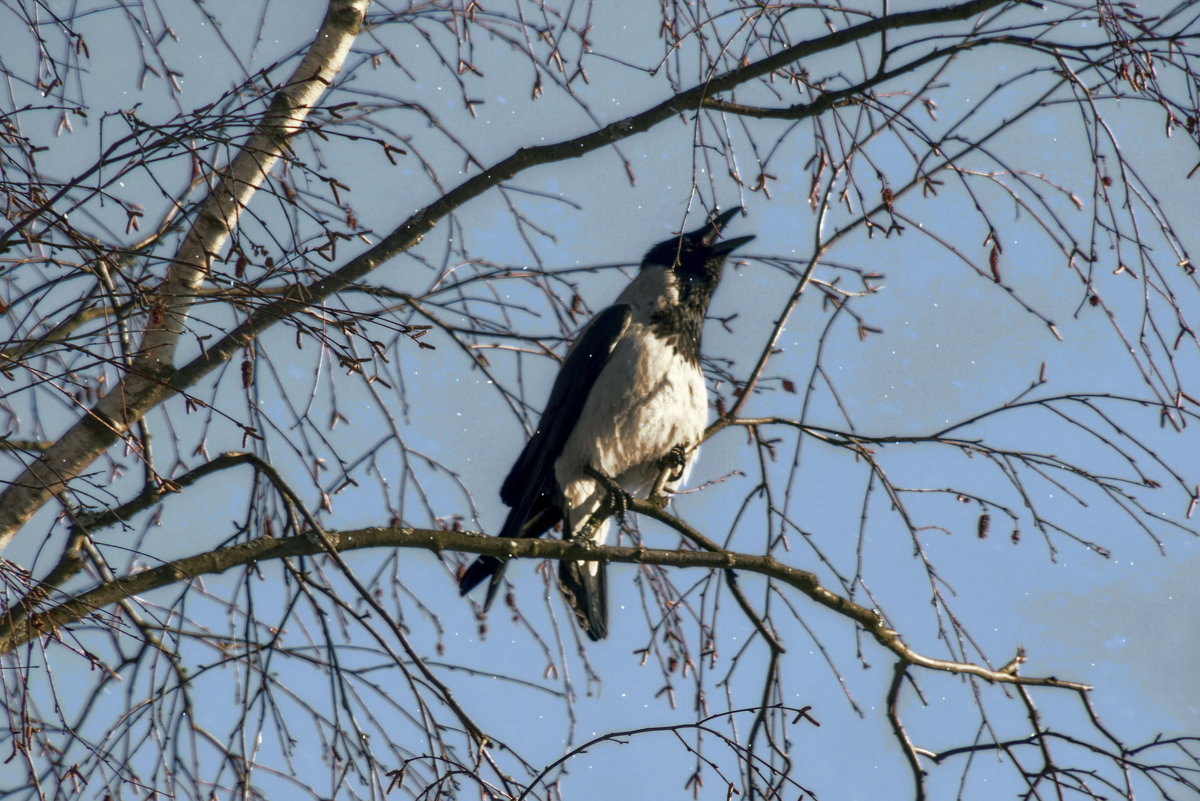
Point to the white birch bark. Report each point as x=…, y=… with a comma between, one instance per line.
x=146, y=382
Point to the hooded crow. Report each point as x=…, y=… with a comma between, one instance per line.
x=626, y=414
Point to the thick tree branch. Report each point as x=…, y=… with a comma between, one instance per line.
x=268, y=549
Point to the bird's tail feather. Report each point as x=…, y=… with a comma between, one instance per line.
x=489, y=566
x=493, y=586
x=587, y=594
x=482, y=568
x=520, y=523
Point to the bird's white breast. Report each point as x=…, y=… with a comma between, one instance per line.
x=647, y=400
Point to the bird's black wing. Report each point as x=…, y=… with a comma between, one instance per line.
x=530, y=488
x=574, y=383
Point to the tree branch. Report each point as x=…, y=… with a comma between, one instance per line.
x=268, y=548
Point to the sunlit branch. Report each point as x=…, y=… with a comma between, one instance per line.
x=265, y=549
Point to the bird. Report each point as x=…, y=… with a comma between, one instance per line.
x=626, y=414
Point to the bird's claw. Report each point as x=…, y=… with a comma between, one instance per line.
x=618, y=501
x=675, y=461
x=673, y=465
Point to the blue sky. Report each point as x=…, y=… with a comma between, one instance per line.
x=951, y=344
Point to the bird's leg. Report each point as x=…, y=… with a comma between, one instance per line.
x=617, y=502
x=672, y=467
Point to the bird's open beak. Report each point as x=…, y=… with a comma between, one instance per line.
x=709, y=233
x=730, y=244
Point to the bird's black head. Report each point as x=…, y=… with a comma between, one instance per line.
x=695, y=259
x=698, y=256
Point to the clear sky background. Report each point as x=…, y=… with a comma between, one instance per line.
x=951, y=344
